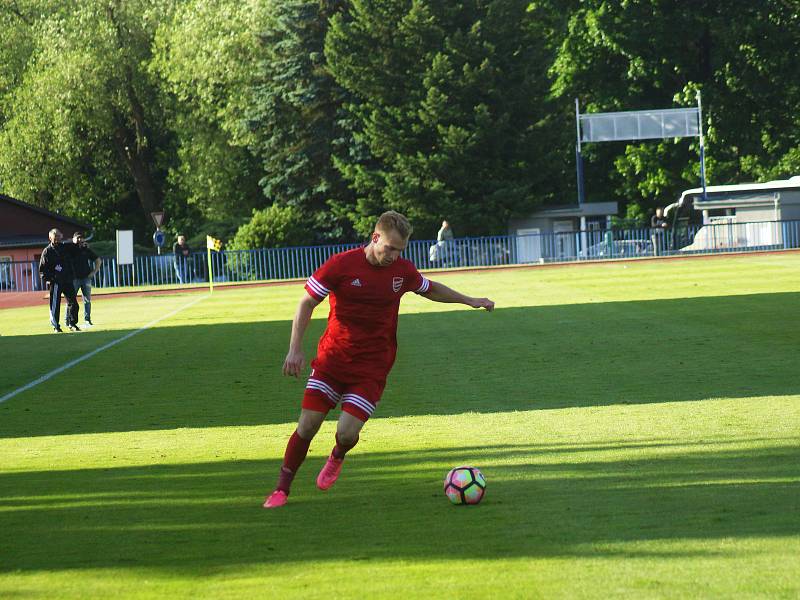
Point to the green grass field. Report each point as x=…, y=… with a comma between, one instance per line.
x=638, y=424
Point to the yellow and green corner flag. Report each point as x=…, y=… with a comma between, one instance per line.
x=215, y=245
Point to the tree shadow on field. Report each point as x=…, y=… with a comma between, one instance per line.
x=542, y=501
x=448, y=363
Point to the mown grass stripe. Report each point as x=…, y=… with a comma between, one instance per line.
x=88, y=355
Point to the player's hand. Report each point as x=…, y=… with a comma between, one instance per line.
x=482, y=303
x=294, y=363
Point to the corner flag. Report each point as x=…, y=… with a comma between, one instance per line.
x=215, y=245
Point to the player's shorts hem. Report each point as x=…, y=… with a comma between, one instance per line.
x=316, y=401
x=355, y=411
x=324, y=392
x=357, y=405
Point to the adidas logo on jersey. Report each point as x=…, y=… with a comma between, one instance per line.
x=356, y=282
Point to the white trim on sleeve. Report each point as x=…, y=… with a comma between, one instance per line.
x=426, y=285
x=317, y=287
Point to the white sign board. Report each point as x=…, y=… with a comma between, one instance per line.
x=124, y=247
x=640, y=125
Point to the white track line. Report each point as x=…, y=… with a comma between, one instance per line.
x=80, y=359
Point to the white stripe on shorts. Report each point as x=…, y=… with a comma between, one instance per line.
x=320, y=386
x=360, y=402
x=326, y=387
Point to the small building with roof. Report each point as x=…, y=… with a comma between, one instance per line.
x=558, y=232
x=24, y=232
x=746, y=215
x=777, y=200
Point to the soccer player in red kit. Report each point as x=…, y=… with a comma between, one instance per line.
x=358, y=348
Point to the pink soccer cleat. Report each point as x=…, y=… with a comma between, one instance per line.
x=276, y=499
x=329, y=473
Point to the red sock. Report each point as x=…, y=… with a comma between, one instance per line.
x=340, y=449
x=296, y=451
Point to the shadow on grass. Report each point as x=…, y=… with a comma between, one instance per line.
x=515, y=359
x=390, y=507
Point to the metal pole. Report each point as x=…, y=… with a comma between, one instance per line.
x=578, y=156
x=702, y=145
x=210, y=271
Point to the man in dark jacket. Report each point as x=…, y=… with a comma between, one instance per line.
x=658, y=228
x=183, y=260
x=55, y=269
x=85, y=263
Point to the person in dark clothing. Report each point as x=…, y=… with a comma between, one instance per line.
x=658, y=228
x=55, y=269
x=85, y=264
x=183, y=257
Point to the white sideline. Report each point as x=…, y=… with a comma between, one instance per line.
x=80, y=359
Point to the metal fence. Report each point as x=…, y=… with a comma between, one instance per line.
x=723, y=235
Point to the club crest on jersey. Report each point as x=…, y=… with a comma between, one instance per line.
x=397, y=283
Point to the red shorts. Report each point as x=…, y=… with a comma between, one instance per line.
x=324, y=392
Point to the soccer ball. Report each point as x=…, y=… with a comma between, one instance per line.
x=465, y=485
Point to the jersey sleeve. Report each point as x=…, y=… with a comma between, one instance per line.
x=417, y=283
x=324, y=280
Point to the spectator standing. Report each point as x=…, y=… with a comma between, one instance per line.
x=183, y=257
x=444, y=241
x=55, y=269
x=85, y=264
x=658, y=228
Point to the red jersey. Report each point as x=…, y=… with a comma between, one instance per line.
x=360, y=341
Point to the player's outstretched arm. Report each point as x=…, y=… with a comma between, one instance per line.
x=296, y=359
x=441, y=293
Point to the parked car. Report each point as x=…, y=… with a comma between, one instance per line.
x=482, y=255
x=619, y=249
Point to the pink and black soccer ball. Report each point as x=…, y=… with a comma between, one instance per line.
x=465, y=485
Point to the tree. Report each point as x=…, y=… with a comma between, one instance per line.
x=204, y=56
x=272, y=227
x=83, y=123
x=294, y=120
x=449, y=113
x=626, y=55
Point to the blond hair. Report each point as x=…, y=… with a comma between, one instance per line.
x=394, y=221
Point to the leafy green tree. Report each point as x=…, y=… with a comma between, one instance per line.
x=635, y=54
x=294, y=120
x=204, y=56
x=449, y=110
x=82, y=122
x=272, y=227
